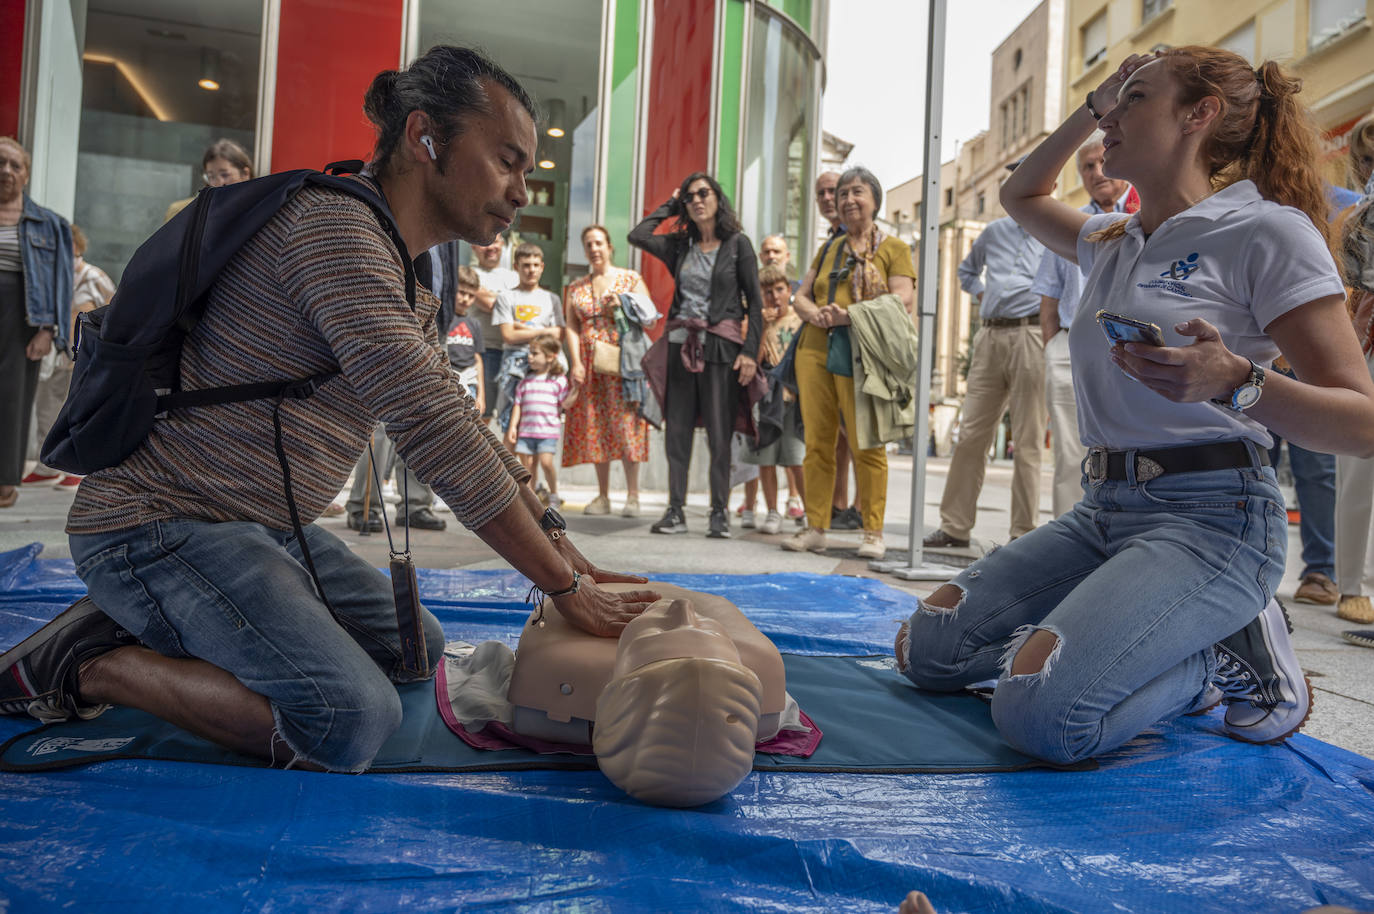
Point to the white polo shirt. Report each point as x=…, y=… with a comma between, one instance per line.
x=1235, y=260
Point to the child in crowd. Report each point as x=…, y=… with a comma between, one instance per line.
x=780, y=324
x=522, y=314
x=464, y=339
x=536, y=421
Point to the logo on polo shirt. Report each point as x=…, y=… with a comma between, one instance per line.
x=1182, y=269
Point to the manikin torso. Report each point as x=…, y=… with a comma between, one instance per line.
x=560, y=671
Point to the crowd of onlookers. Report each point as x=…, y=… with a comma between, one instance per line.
x=765, y=363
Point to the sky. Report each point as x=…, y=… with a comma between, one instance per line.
x=875, y=77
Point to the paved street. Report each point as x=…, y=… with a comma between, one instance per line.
x=1342, y=674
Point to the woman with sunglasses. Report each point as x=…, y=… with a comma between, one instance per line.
x=857, y=266
x=712, y=348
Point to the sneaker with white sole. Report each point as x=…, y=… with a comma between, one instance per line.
x=746, y=519
x=808, y=539
x=1268, y=696
x=599, y=505
x=631, y=508
x=872, y=546
x=772, y=523
x=794, y=508
x=39, y=675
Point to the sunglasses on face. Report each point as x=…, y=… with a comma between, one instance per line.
x=700, y=194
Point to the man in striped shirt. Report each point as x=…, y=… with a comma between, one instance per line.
x=187, y=544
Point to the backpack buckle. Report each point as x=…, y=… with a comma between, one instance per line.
x=301, y=390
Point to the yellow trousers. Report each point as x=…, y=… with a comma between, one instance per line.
x=825, y=400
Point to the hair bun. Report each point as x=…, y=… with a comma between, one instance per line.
x=381, y=96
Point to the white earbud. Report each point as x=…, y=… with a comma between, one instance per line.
x=428, y=143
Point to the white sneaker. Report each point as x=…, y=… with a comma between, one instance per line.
x=631, y=507
x=746, y=519
x=553, y=501
x=808, y=539
x=599, y=505
x=772, y=524
x=872, y=547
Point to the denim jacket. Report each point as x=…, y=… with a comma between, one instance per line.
x=45, y=243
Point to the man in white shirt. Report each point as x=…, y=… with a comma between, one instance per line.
x=520, y=315
x=1007, y=370
x=1059, y=283
x=494, y=279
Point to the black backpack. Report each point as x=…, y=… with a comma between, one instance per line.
x=128, y=353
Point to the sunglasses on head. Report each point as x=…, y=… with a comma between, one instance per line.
x=700, y=193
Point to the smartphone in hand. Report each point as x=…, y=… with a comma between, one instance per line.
x=1122, y=329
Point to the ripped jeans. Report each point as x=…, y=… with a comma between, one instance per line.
x=1136, y=583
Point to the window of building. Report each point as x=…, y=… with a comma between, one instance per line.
x=1326, y=19
x=157, y=89
x=559, y=64
x=1149, y=9
x=982, y=203
x=1094, y=39
x=1016, y=60
x=1025, y=110
x=1004, y=136
x=779, y=155
x=949, y=196
x=1241, y=41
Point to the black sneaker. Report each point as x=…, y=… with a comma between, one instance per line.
x=423, y=519
x=374, y=522
x=846, y=519
x=1268, y=696
x=718, y=526
x=672, y=521
x=38, y=676
x=942, y=540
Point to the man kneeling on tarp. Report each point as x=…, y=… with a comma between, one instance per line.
x=188, y=544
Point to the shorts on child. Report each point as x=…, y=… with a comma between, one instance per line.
x=788, y=451
x=536, y=445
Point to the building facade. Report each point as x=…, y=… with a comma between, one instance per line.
x=1329, y=43
x=117, y=99
x=1025, y=104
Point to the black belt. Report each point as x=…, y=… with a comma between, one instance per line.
x=1032, y=320
x=1224, y=455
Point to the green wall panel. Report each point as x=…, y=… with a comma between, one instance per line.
x=620, y=160
x=732, y=60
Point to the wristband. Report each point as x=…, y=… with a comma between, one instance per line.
x=1091, y=109
x=567, y=591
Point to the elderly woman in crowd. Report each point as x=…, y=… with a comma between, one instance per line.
x=35, y=305
x=601, y=426
x=857, y=266
x=712, y=349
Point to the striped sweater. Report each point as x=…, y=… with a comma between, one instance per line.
x=320, y=288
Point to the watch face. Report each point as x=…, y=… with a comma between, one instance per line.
x=553, y=520
x=1245, y=397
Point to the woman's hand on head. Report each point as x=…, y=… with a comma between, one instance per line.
x=600, y=612
x=1203, y=370
x=1105, y=95
x=746, y=367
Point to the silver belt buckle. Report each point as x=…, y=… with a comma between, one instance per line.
x=1097, y=464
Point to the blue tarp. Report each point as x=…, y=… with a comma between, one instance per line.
x=1180, y=819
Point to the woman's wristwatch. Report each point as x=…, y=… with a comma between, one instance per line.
x=1247, y=394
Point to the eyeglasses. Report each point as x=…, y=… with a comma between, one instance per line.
x=220, y=178
x=700, y=194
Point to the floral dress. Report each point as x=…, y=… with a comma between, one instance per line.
x=600, y=425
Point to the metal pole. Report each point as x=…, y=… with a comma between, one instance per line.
x=917, y=569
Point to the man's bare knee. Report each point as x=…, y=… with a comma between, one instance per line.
x=1034, y=653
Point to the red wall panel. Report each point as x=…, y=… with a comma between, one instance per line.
x=678, y=132
x=11, y=64
x=328, y=52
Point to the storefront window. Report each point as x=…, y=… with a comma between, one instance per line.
x=779, y=154
x=554, y=50
x=161, y=81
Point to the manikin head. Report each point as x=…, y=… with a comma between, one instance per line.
x=677, y=722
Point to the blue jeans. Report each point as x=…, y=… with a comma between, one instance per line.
x=514, y=366
x=237, y=595
x=1137, y=583
x=1314, y=480
x=491, y=371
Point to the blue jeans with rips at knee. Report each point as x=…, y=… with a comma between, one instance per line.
x=1136, y=583
x=237, y=595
